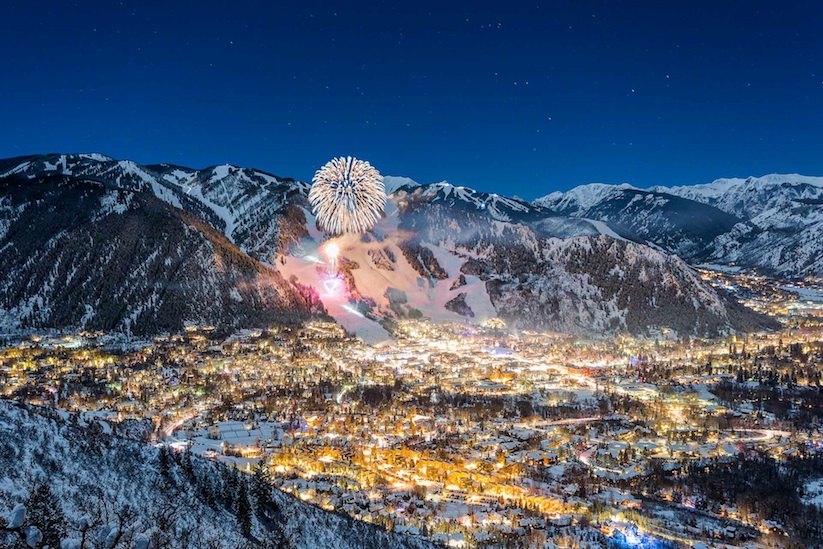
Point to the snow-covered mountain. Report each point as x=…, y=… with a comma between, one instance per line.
x=246, y=205
x=580, y=284
x=786, y=242
x=581, y=198
x=443, y=251
x=750, y=197
x=86, y=488
x=680, y=226
x=784, y=214
x=771, y=223
x=80, y=254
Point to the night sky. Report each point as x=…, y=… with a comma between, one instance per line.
x=501, y=96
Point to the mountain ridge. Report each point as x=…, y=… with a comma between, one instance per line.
x=771, y=224
x=512, y=254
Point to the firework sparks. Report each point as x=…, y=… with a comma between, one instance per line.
x=347, y=196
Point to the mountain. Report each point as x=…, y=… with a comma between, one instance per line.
x=87, y=488
x=442, y=251
x=771, y=224
x=78, y=253
x=580, y=198
x=246, y=205
x=584, y=284
x=750, y=197
x=677, y=225
x=783, y=222
x=543, y=220
x=785, y=242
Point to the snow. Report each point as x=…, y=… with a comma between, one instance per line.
x=17, y=516
x=806, y=294
x=34, y=537
x=311, y=225
x=246, y=206
x=580, y=199
x=17, y=169
x=719, y=268
x=706, y=191
x=605, y=229
x=101, y=479
x=392, y=183
x=813, y=491
x=177, y=176
x=426, y=295
x=223, y=213
x=309, y=272
x=780, y=234
x=499, y=207
x=96, y=157
x=165, y=194
x=141, y=541
x=127, y=167
x=477, y=298
x=753, y=195
x=112, y=203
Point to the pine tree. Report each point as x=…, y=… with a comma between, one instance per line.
x=230, y=488
x=261, y=490
x=188, y=466
x=243, y=508
x=165, y=461
x=44, y=511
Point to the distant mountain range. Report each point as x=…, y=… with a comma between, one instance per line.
x=771, y=224
x=90, y=242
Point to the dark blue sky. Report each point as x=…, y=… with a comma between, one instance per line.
x=502, y=96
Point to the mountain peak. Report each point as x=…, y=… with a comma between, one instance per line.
x=580, y=198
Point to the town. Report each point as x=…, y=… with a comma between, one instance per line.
x=475, y=435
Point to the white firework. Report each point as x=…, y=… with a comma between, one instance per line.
x=347, y=196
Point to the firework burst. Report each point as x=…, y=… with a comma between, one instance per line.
x=347, y=196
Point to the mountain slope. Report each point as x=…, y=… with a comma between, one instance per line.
x=122, y=494
x=247, y=206
x=78, y=254
x=784, y=222
x=678, y=225
x=786, y=242
x=589, y=284
x=442, y=251
x=750, y=197
x=771, y=224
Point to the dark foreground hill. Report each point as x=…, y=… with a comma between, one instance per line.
x=82, y=488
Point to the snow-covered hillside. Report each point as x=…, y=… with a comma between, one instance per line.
x=750, y=197
x=785, y=222
x=443, y=251
x=674, y=224
x=79, y=255
x=769, y=223
x=88, y=489
x=581, y=198
x=246, y=205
